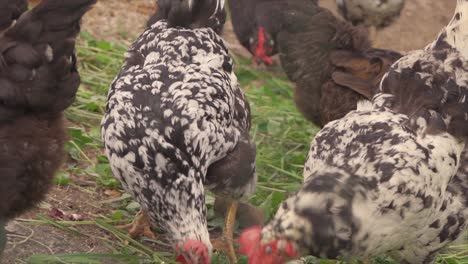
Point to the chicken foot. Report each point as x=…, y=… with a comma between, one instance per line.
x=140, y=225
x=373, y=35
x=226, y=242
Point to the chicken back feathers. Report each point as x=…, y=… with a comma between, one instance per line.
x=38, y=79
x=177, y=122
x=390, y=177
x=10, y=10
x=191, y=14
x=330, y=61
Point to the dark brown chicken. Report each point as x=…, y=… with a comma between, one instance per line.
x=38, y=80
x=331, y=61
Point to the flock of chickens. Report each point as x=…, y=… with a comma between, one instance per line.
x=387, y=173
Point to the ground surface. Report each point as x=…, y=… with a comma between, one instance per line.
x=89, y=195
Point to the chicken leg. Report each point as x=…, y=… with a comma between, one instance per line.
x=373, y=36
x=226, y=242
x=140, y=225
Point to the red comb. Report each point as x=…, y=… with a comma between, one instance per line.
x=181, y=259
x=197, y=247
x=260, y=51
x=249, y=242
x=250, y=245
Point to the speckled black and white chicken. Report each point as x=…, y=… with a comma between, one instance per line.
x=390, y=177
x=38, y=80
x=374, y=14
x=177, y=123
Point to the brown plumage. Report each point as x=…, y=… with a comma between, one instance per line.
x=331, y=61
x=38, y=80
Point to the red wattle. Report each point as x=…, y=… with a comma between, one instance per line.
x=181, y=259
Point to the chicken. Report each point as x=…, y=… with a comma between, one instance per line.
x=390, y=177
x=372, y=13
x=177, y=122
x=244, y=14
x=10, y=10
x=38, y=80
x=330, y=61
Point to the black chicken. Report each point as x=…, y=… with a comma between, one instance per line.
x=10, y=10
x=244, y=14
x=330, y=61
x=177, y=122
x=390, y=177
x=38, y=80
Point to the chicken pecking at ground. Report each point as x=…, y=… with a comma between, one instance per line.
x=331, y=62
x=244, y=17
x=38, y=80
x=390, y=177
x=177, y=122
x=374, y=14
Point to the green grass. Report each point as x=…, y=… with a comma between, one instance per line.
x=281, y=133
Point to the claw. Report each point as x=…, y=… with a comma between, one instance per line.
x=226, y=243
x=140, y=225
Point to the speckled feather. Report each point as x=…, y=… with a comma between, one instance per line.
x=390, y=177
x=177, y=122
x=378, y=13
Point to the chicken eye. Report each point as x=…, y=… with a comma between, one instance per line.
x=268, y=250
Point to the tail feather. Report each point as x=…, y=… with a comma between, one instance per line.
x=430, y=90
x=38, y=70
x=191, y=14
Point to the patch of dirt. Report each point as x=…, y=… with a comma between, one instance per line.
x=419, y=24
x=124, y=20
x=118, y=20
x=26, y=238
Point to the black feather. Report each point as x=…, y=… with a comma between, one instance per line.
x=203, y=13
x=38, y=80
x=11, y=10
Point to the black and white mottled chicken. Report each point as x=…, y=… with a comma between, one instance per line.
x=374, y=14
x=38, y=80
x=330, y=61
x=390, y=177
x=177, y=123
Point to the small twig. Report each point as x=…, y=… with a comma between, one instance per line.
x=26, y=238
x=33, y=240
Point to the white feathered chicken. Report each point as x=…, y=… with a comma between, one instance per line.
x=385, y=179
x=177, y=122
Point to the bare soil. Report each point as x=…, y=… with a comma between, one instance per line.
x=123, y=20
